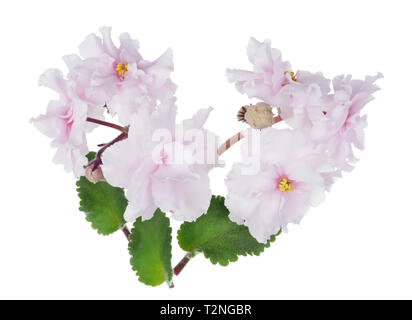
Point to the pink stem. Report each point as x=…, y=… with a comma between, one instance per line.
x=107, y=124
x=277, y=119
x=179, y=267
x=126, y=232
x=229, y=142
x=237, y=137
x=98, y=159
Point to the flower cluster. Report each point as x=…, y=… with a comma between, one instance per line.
x=163, y=164
x=296, y=165
x=151, y=171
x=106, y=80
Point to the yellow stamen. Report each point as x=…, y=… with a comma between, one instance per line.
x=285, y=185
x=292, y=75
x=121, y=69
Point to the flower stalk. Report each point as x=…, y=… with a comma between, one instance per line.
x=180, y=266
x=108, y=124
x=237, y=137
x=126, y=232
x=98, y=160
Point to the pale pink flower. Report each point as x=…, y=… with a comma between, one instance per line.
x=332, y=121
x=307, y=78
x=345, y=123
x=65, y=123
x=105, y=72
x=270, y=74
x=298, y=97
x=300, y=105
x=157, y=169
x=288, y=183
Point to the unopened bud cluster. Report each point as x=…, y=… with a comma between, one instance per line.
x=95, y=175
x=258, y=116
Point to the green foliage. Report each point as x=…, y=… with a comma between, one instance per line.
x=220, y=239
x=103, y=204
x=90, y=156
x=150, y=248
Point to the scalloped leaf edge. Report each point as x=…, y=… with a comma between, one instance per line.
x=235, y=256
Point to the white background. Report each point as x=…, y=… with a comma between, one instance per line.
x=357, y=244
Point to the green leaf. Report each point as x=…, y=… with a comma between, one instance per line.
x=103, y=204
x=91, y=155
x=220, y=239
x=150, y=248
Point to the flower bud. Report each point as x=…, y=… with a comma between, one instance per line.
x=94, y=175
x=258, y=116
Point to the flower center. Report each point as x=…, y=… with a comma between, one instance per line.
x=121, y=69
x=285, y=185
x=292, y=75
